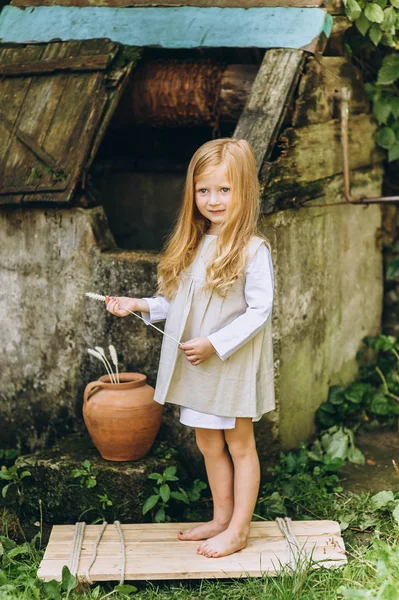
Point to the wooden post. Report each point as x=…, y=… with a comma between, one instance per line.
x=271, y=92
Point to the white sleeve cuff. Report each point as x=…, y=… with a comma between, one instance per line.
x=159, y=307
x=212, y=339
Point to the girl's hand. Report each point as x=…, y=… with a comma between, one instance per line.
x=114, y=305
x=197, y=350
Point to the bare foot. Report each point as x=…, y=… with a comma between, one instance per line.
x=227, y=542
x=202, y=532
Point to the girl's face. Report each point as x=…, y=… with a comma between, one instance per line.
x=212, y=196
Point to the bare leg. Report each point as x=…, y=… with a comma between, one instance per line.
x=219, y=469
x=242, y=447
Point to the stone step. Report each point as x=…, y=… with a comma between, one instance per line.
x=67, y=499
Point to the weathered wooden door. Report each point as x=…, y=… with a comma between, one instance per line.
x=56, y=100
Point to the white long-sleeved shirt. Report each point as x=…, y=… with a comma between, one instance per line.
x=258, y=291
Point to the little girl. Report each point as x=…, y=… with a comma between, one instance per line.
x=215, y=290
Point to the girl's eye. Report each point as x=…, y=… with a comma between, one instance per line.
x=225, y=189
x=202, y=190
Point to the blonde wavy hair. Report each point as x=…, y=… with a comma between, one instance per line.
x=230, y=256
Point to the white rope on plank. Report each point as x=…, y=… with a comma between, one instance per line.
x=94, y=555
x=293, y=546
x=77, y=542
x=123, y=551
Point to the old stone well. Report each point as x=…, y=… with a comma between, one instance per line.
x=108, y=237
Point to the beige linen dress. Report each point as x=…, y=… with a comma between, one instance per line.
x=236, y=381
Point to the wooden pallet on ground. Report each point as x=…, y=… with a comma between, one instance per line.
x=153, y=551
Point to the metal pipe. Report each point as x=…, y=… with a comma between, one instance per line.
x=344, y=96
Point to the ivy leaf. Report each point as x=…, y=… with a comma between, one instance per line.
x=356, y=456
x=389, y=19
x=389, y=71
x=355, y=393
x=374, y=13
x=375, y=34
x=395, y=106
x=381, y=3
x=336, y=394
x=379, y=404
x=353, y=10
x=336, y=445
x=395, y=3
x=150, y=503
x=363, y=24
x=393, y=152
x=385, y=137
x=381, y=499
x=382, y=109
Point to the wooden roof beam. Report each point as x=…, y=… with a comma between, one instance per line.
x=332, y=6
x=181, y=27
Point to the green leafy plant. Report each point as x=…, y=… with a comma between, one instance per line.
x=384, y=565
x=54, y=588
x=8, y=455
x=378, y=22
x=377, y=19
x=104, y=501
x=15, y=481
x=373, y=398
x=166, y=491
x=384, y=94
x=86, y=475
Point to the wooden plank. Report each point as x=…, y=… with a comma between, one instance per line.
x=181, y=27
x=153, y=551
x=271, y=93
x=92, y=63
x=13, y=95
x=51, y=120
x=30, y=143
x=71, y=131
x=175, y=3
x=324, y=76
x=20, y=168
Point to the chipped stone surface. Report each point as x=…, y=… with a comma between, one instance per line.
x=328, y=296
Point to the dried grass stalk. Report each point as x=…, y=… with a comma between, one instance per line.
x=114, y=358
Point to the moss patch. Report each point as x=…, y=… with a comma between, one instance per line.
x=67, y=499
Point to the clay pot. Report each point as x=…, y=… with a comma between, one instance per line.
x=123, y=419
